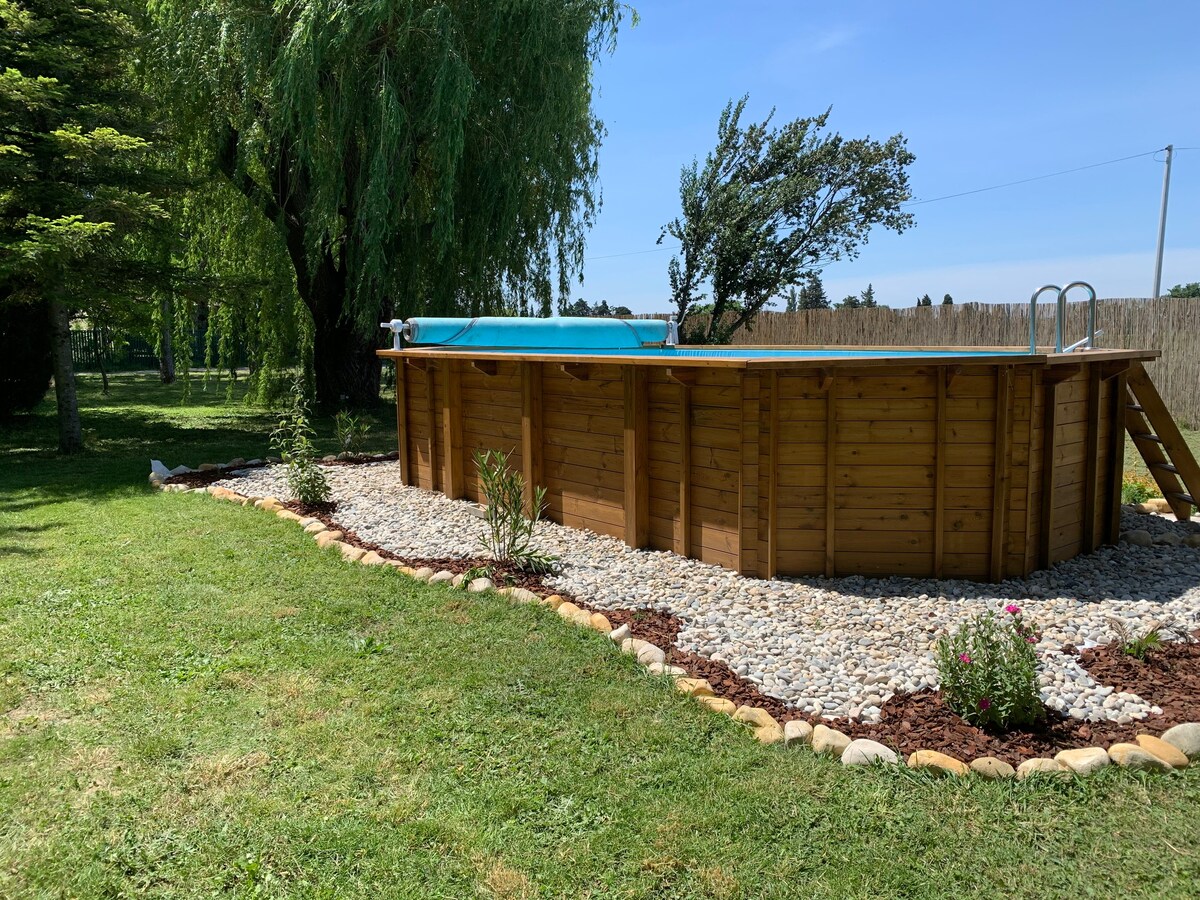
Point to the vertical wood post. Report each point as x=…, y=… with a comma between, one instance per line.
x=1049, y=425
x=748, y=498
x=1116, y=457
x=452, y=430
x=1002, y=475
x=830, y=473
x=432, y=416
x=769, y=567
x=402, y=420
x=1091, y=459
x=1028, y=562
x=683, y=524
x=939, y=475
x=531, y=429
x=637, y=471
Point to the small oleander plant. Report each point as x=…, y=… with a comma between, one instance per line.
x=988, y=671
x=292, y=439
x=351, y=432
x=509, y=534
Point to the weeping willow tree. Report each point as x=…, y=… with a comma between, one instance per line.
x=412, y=156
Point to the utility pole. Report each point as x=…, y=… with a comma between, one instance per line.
x=1162, y=223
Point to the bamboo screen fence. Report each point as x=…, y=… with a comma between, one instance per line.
x=1168, y=324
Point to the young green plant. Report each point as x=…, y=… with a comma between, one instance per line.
x=509, y=535
x=292, y=439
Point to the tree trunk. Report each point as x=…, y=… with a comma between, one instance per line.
x=345, y=365
x=70, y=435
x=166, y=358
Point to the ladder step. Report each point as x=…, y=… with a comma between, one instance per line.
x=1165, y=467
x=1135, y=407
x=1179, y=495
x=1146, y=436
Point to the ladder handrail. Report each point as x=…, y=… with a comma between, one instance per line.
x=1062, y=305
x=1060, y=316
x=1033, y=302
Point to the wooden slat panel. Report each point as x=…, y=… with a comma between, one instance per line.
x=832, y=411
x=531, y=429
x=637, y=475
x=1003, y=473
x=452, y=430
x=402, y=435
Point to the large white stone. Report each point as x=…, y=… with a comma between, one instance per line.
x=864, y=752
x=1185, y=738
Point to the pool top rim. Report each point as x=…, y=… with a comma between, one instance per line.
x=940, y=356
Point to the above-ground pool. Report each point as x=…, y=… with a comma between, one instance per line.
x=942, y=462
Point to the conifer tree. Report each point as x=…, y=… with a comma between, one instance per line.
x=80, y=191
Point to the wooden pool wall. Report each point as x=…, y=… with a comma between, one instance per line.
x=980, y=469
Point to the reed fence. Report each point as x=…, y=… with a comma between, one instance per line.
x=1171, y=325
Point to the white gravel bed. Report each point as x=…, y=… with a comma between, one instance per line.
x=832, y=647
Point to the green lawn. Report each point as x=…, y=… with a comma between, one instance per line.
x=197, y=701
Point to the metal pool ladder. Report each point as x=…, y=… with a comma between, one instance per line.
x=1060, y=317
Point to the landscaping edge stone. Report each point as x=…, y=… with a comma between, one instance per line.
x=1177, y=748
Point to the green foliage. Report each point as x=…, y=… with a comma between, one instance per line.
x=947, y=300
x=925, y=300
x=1137, y=488
x=412, y=157
x=988, y=671
x=351, y=432
x=582, y=308
x=25, y=363
x=811, y=294
x=292, y=439
x=1191, y=289
x=509, y=537
x=769, y=207
x=82, y=187
x=1139, y=647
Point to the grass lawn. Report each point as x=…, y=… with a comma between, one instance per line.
x=196, y=700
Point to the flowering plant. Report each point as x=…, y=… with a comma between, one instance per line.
x=988, y=670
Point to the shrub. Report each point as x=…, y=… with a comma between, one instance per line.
x=351, y=432
x=988, y=671
x=509, y=535
x=292, y=439
x=1137, y=488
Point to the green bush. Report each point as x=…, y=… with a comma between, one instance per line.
x=509, y=536
x=293, y=441
x=988, y=671
x=1137, y=488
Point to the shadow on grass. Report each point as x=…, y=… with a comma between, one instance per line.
x=138, y=420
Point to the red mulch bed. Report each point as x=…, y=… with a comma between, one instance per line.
x=1169, y=678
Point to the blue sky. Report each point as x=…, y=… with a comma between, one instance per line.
x=985, y=93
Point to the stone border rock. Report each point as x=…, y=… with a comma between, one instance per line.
x=1177, y=748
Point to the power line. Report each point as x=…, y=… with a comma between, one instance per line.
x=996, y=187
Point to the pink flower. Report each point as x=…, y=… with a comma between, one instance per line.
x=1031, y=640
x=964, y=657
x=985, y=703
x=1012, y=609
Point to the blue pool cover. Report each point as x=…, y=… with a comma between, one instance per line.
x=564, y=332
x=569, y=335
